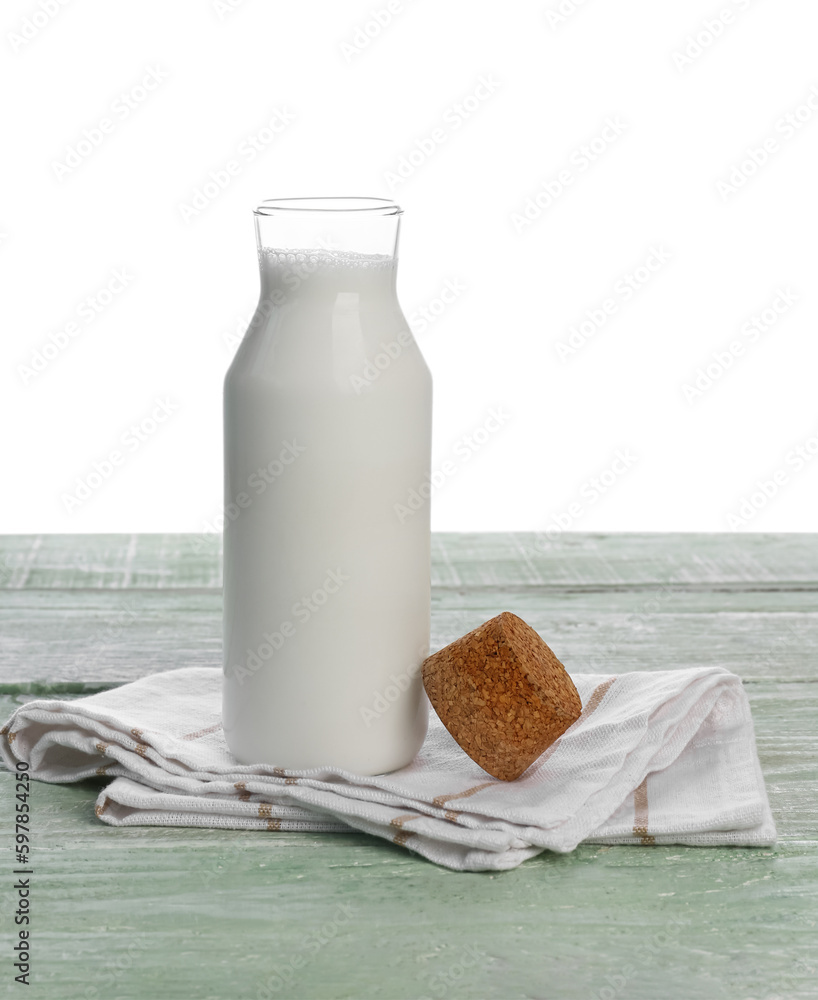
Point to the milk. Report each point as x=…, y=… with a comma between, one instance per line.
x=327, y=421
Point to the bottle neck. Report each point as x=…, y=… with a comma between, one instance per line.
x=321, y=277
x=325, y=247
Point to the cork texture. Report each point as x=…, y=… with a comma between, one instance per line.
x=502, y=694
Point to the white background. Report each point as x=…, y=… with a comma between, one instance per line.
x=225, y=73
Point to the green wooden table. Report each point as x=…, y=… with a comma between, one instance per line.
x=160, y=913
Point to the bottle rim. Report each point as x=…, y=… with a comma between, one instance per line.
x=344, y=203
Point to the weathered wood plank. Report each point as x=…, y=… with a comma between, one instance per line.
x=161, y=561
x=114, y=562
x=626, y=559
x=103, y=637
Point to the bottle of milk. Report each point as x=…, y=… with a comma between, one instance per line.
x=327, y=434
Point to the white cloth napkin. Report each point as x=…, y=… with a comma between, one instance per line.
x=664, y=757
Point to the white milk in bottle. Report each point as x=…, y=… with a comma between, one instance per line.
x=327, y=424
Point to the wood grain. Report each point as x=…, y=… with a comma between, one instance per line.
x=122, y=562
x=175, y=913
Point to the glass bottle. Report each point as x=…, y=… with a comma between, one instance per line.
x=327, y=438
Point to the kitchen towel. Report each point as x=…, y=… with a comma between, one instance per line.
x=661, y=757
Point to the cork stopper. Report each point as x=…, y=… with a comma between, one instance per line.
x=502, y=694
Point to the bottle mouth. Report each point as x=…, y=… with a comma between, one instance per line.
x=347, y=204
